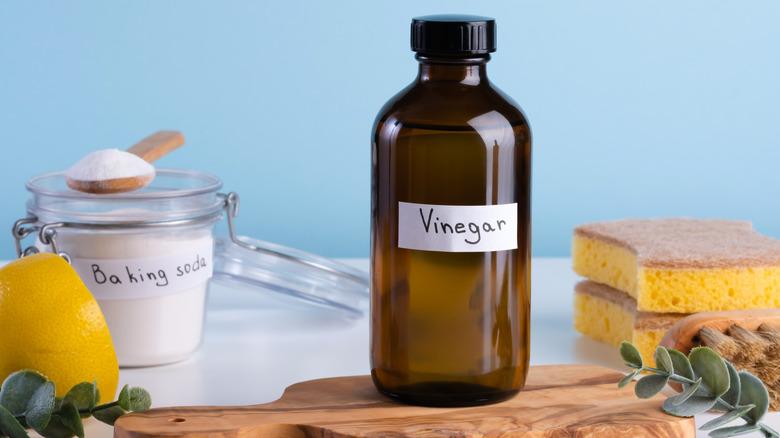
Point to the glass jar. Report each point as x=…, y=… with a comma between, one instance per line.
x=149, y=257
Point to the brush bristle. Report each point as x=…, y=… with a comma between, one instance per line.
x=718, y=341
x=756, y=352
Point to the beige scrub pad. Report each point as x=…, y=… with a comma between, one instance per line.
x=609, y=315
x=682, y=265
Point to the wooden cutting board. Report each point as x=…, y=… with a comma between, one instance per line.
x=558, y=401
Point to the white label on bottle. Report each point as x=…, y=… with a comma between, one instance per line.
x=457, y=228
x=132, y=278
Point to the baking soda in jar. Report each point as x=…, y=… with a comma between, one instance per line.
x=151, y=287
x=146, y=256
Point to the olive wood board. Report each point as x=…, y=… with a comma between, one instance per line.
x=557, y=401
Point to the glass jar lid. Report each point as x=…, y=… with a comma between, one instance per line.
x=295, y=275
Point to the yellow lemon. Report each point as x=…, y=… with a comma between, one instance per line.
x=50, y=322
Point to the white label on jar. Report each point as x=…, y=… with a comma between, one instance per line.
x=457, y=228
x=145, y=277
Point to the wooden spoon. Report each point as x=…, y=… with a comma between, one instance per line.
x=149, y=149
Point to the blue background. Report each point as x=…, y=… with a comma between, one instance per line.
x=638, y=108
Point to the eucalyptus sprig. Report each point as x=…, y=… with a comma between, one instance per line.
x=708, y=383
x=28, y=401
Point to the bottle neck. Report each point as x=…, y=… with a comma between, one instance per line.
x=466, y=71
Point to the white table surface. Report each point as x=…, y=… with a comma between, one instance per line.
x=250, y=353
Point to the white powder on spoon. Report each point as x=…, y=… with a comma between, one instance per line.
x=106, y=164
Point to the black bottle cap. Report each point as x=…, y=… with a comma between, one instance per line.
x=453, y=35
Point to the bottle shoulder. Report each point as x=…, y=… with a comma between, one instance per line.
x=449, y=105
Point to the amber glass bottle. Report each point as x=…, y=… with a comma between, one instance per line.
x=450, y=226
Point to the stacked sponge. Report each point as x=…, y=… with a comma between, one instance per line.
x=643, y=275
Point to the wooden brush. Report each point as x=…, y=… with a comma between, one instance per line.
x=749, y=339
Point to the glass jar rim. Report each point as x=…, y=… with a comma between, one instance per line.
x=173, y=195
x=212, y=183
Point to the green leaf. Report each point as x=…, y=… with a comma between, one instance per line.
x=69, y=414
x=663, y=360
x=84, y=396
x=693, y=406
x=734, y=431
x=140, y=400
x=726, y=418
x=682, y=366
x=124, y=398
x=17, y=389
x=134, y=399
x=712, y=369
x=109, y=415
x=651, y=385
x=630, y=355
x=687, y=393
x=56, y=428
x=40, y=407
x=753, y=393
x=10, y=426
x=735, y=387
x=628, y=378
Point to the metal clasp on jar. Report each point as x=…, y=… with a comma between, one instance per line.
x=23, y=228
x=46, y=235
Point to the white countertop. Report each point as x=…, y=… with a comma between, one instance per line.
x=251, y=353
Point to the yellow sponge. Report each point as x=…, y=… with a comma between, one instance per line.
x=682, y=265
x=609, y=315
